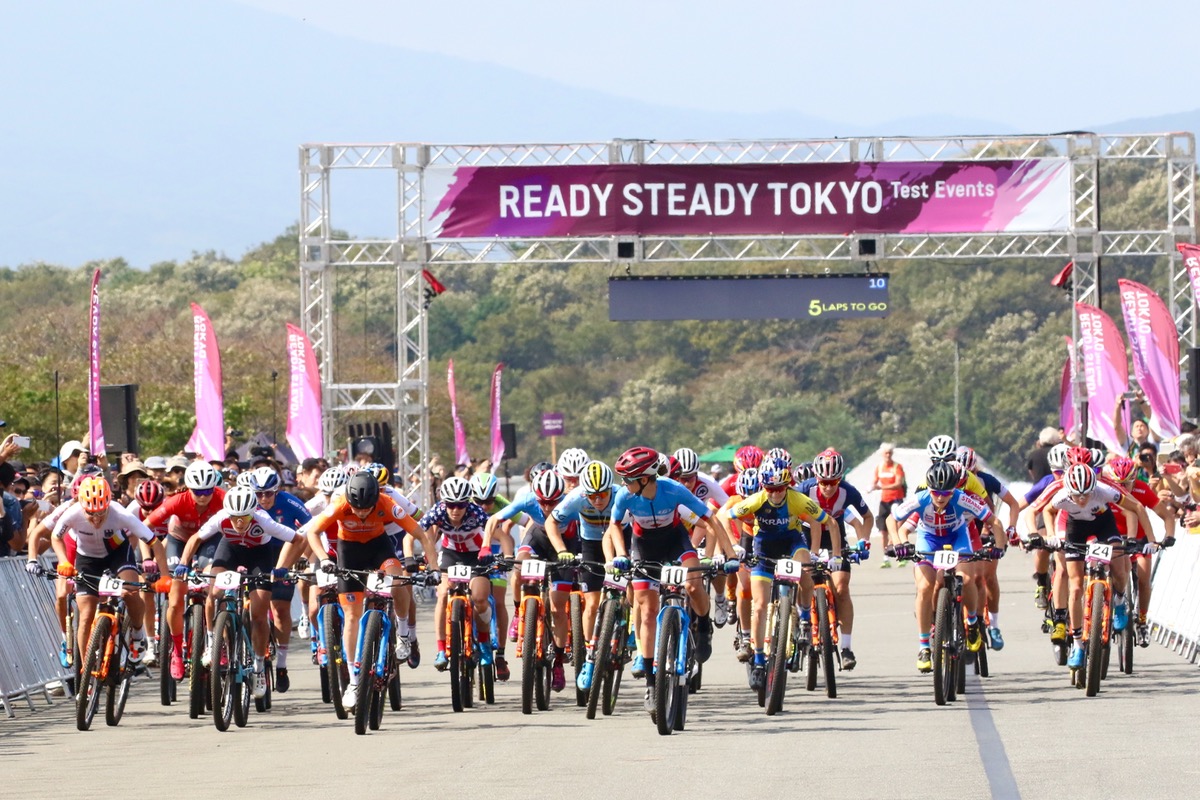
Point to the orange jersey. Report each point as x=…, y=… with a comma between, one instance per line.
x=339, y=520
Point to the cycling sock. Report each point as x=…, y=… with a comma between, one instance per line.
x=923, y=640
x=1118, y=598
x=412, y=630
x=1077, y=634
x=1060, y=615
x=402, y=628
x=995, y=619
x=259, y=663
x=972, y=619
x=745, y=634
x=281, y=651
x=1042, y=579
x=441, y=645
x=805, y=614
x=177, y=643
x=138, y=633
x=846, y=640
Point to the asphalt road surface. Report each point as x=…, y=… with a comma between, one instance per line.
x=1024, y=732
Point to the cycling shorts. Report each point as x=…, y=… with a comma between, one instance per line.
x=373, y=554
x=776, y=548
x=661, y=545
x=959, y=540
x=88, y=569
x=257, y=560
x=1103, y=527
x=536, y=544
x=592, y=578
x=204, y=556
x=282, y=591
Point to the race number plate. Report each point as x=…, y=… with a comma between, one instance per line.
x=673, y=575
x=325, y=578
x=459, y=573
x=533, y=570
x=614, y=582
x=788, y=570
x=228, y=580
x=110, y=586
x=1100, y=552
x=379, y=583
x=945, y=559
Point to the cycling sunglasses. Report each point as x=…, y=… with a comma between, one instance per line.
x=201, y=492
x=941, y=493
x=456, y=506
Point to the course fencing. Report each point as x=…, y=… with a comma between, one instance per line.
x=29, y=635
x=1174, y=614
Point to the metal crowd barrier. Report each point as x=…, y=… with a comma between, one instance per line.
x=29, y=635
x=1174, y=614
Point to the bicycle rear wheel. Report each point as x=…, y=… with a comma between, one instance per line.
x=1125, y=639
x=194, y=634
x=243, y=670
x=666, y=681
x=367, y=694
x=777, y=661
x=1095, y=646
x=943, y=674
x=117, y=691
x=529, y=655
x=166, y=684
x=394, y=693
x=956, y=651
x=578, y=646
x=602, y=654
x=541, y=694
x=90, y=685
x=828, y=664
x=224, y=666
x=455, y=657
x=336, y=667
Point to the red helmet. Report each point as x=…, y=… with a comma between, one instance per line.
x=1080, y=479
x=748, y=457
x=1078, y=455
x=637, y=461
x=674, y=469
x=962, y=473
x=1120, y=469
x=149, y=495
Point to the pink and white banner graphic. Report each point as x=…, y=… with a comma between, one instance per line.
x=96, y=443
x=497, y=437
x=1029, y=195
x=1066, y=392
x=304, y=431
x=1191, y=260
x=461, y=456
x=208, y=439
x=1154, y=340
x=1106, y=370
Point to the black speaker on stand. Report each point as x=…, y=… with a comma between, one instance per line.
x=1193, y=379
x=119, y=416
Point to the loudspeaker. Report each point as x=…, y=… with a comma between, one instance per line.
x=376, y=438
x=508, y=432
x=119, y=416
x=1193, y=382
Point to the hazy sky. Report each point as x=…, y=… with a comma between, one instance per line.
x=1040, y=66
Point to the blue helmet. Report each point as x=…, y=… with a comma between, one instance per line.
x=774, y=473
x=747, y=482
x=266, y=479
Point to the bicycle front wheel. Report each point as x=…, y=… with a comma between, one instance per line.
x=166, y=684
x=90, y=685
x=117, y=691
x=337, y=668
x=198, y=690
x=602, y=654
x=223, y=670
x=456, y=657
x=666, y=678
x=777, y=661
x=618, y=655
x=828, y=664
x=1095, y=642
x=367, y=695
x=578, y=645
x=529, y=654
x=943, y=665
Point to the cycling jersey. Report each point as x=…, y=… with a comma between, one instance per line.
x=340, y=518
x=1141, y=492
x=649, y=516
x=288, y=510
x=846, y=496
x=778, y=521
x=920, y=514
x=992, y=486
x=709, y=490
x=526, y=503
x=97, y=541
x=136, y=509
x=261, y=531
x=317, y=503
x=466, y=537
x=1095, y=503
x=1036, y=490
x=187, y=518
x=592, y=521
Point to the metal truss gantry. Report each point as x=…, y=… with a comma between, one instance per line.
x=409, y=251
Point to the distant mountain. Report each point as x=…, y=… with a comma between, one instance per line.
x=148, y=130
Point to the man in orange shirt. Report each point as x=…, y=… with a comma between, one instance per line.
x=889, y=480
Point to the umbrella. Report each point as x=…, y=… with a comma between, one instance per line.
x=723, y=454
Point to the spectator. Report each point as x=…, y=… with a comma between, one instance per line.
x=68, y=458
x=1038, y=464
x=9, y=448
x=132, y=474
x=889, y=479
x=156, y=466
x=309, y=473
x=173, y=482
x=10, y=522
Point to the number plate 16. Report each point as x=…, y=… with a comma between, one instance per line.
x=788, y=570
x=945, y=559
x=533, y=570
x=110, y=586
x=1100, y=552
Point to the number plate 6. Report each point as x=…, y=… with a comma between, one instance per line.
x=228, y=580
x=788, y=570
x=614, y=582
x=1100, y=552
x=459, y=573
x=945, y=559
x=533, y=570
x=110, y=586
x=325, y=578
x=673, y=575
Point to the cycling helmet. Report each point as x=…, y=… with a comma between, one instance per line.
x=942, y=448
x=331, y=479
x=780, y=454
x=94, y=494
x=454, y=490
x=149, y=495
x=483, y=487
x=803, y=471
x=1080, y=479
x=549, y=487
x=596, y=478
x=362, y=491
x=91, y=469
x=1057, y=457
x=962, y=473
x=240, y=501
x=941, y=476
x=689, y=462
x=1078, y=455
x=636, y=462
x=747, y=482
x=829, y=465
x=378, y=471
x=572, y=461
x=1098, y=456
x=748, y=457
x=266, y=479
x=774, y=473
x=673, y=471
x=201, y=475
x=246, y=479
x=1120, y=469
x=966, y=456
x=538, y=469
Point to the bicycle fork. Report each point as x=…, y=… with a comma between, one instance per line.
x=379, y=668
x=323, y=648
x=685, y=621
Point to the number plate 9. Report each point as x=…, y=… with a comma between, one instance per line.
x=945, y=559
x=459, y=573
x=788, y=570
x=228, y=580
x=1100, y=552
x=673, y=575
x=533, y=570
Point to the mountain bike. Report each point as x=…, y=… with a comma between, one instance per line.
x=232, y=667
x=332, y=663
x=106, y=661
x=823, y=656
x=787, y=637
x=535, y=640
x=611, y=647
x=463, y=652
x=195, y=636
x=1097, y=611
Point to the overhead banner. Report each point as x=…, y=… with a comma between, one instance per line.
x=304, y=432
x=1011, y=196
x=1154, y=341
x=208, y=438
x=748, y=297
x=1106, y=371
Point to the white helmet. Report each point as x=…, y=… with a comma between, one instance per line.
x=246, y=479
x=240, y=501
x=942, y=448
x=331, y=479
x=596, y=478
x=1057, y=457
x=201, y=475
x=572, y=461
x=689, y=462
x=454, y=490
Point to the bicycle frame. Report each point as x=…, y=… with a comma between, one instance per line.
x=673, y=599
x=377, y=602
x=539, y=590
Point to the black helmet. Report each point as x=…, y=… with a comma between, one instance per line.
x=362, y=491
x=941, y=477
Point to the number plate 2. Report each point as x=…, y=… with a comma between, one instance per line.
x=325, y=579
x=379, y=584
x=788, y=570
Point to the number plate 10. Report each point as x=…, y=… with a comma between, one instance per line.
x=673, y=575
x=533, y=570
x=1100, y=552
x=459, y=573
x=788, y=570
x=945, y=559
